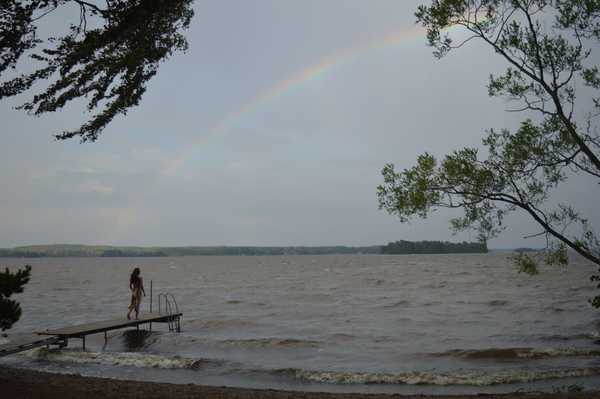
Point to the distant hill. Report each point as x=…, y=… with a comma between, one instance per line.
x=398, y=247
x=74, y=250
x=70, y=250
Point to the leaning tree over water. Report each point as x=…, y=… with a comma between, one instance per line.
x=549, y=48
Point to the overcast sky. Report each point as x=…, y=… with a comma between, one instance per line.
x=271, y=130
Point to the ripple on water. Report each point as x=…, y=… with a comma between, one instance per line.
x=218, y=324
x=271, y=343
x=518, y=353
x=498, y=302
x=401, y=303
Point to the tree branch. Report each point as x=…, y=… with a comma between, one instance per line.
x=85, y=4
x=555, y=99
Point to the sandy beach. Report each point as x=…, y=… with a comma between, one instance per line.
x=29, y=384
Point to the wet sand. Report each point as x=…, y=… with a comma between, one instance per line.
x=29, y=384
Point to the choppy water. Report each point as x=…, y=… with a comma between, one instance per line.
x=431, y=324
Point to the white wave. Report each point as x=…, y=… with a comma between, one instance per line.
x=520, y=353
x=115, y=359
x=473, y=378
x=459, y=377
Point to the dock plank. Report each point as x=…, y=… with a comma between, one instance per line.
x=107, y=325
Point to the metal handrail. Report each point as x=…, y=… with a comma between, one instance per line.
x=175, y=302
x=170, y=305
x=167, y=307
x=176, y=322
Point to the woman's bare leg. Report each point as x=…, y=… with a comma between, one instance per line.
x=130, y=308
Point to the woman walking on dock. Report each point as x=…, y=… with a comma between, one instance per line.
x=136, y=285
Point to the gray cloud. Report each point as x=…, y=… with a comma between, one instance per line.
x=298, y=169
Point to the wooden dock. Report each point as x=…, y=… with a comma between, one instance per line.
x=82, y=330
x=22, y=343
x=60, y=336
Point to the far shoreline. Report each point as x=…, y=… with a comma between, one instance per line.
x=27, y=384
x=401, y=247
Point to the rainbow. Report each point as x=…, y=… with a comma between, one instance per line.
x=306, y=75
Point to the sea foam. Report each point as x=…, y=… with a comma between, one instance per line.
x=467, y=377
x=116, y=359
x=460, y=377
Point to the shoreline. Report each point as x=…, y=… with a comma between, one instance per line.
x=25, y=384
x=403, y=247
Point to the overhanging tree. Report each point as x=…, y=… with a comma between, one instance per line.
x=106, y=56
x=11, y=283
x=548, y=48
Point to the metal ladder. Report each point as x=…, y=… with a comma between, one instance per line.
x=170, y=308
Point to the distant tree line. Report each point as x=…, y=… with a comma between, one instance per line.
x=37, y=251
x=11, y=253
x=118, y=253
x=250, y=251
x=398, y=247
x=433, y=247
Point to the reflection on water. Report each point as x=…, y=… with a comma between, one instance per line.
x=457, y=320
x=136, y=340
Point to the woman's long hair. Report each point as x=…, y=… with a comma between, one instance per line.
x=135, y=276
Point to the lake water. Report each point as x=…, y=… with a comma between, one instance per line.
x=412, y=323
